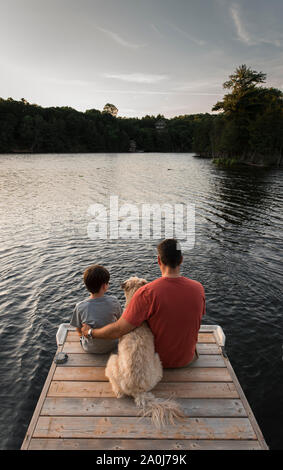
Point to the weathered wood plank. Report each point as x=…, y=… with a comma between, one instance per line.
x=246, y=405
x=164, y=390
x=208, y=348
x=36, y=413
x=81, y=360
x=73, y=346
x=81, y=373
x=199, y=374
x=206, y=338
x=130, y=427
x=203, y=348
x=85, y=359
x=142, y=444
x=73, y=336
x=213, y=360
x=195, y=407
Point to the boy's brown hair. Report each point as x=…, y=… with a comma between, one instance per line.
x=94, y=277
x=170, y=252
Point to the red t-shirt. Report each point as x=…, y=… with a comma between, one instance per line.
x=173, y=308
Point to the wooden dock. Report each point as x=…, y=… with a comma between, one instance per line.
x=78, y=410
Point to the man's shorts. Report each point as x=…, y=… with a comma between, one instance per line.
x=196, y=356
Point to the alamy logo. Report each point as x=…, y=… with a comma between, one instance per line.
x=146, y=221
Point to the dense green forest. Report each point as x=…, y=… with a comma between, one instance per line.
x=247, y=127
x=29, y=127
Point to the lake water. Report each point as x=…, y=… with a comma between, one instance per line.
x=45, y=248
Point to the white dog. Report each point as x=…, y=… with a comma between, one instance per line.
x=136, y=368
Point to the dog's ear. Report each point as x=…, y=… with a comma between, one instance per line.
x=123, y=284
x=140, y=282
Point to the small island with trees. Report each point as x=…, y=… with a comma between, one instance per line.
x=246, y=127
x=250, y=127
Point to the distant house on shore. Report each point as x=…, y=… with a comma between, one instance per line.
x=133, y=146
x=160, y=125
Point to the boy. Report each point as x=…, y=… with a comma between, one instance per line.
x=97, y=311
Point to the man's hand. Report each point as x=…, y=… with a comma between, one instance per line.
x=84, y=329
x=112, y=331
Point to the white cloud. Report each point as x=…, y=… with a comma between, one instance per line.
x=119, y=40
x=156, y=30
x=137, y=77
x=243, y=33
x=199, y=85
x=152, y=92
x=273, y=42
x=66, y=82
x=198, y=42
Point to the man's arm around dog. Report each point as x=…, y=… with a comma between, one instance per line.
x=112, y=331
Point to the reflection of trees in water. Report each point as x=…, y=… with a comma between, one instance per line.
x=238, y=243
x=243, y=194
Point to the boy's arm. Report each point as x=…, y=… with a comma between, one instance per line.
x=112, y=331
x=76, y=321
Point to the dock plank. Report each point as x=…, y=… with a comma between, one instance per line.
x=133, y=428
x=206, y=338
x=73, y=336
x=192, y=407
x=247, y=406
x=199, y=374
x=142, y=444
x=203, y=348
x=74, y=346
x=39, y=405
x=85, y=359
x=180, y=389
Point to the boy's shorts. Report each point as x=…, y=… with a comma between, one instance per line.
x=100, y=346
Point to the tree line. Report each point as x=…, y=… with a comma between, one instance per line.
x=29, y=127
x=247, y=127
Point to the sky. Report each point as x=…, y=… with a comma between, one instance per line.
x=152, y=57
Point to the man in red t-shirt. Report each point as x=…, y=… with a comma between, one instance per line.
x=173, y=307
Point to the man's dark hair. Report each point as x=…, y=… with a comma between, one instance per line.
x=169, y=253
x=94, y=277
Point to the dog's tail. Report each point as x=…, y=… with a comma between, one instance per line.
x=161, y=411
